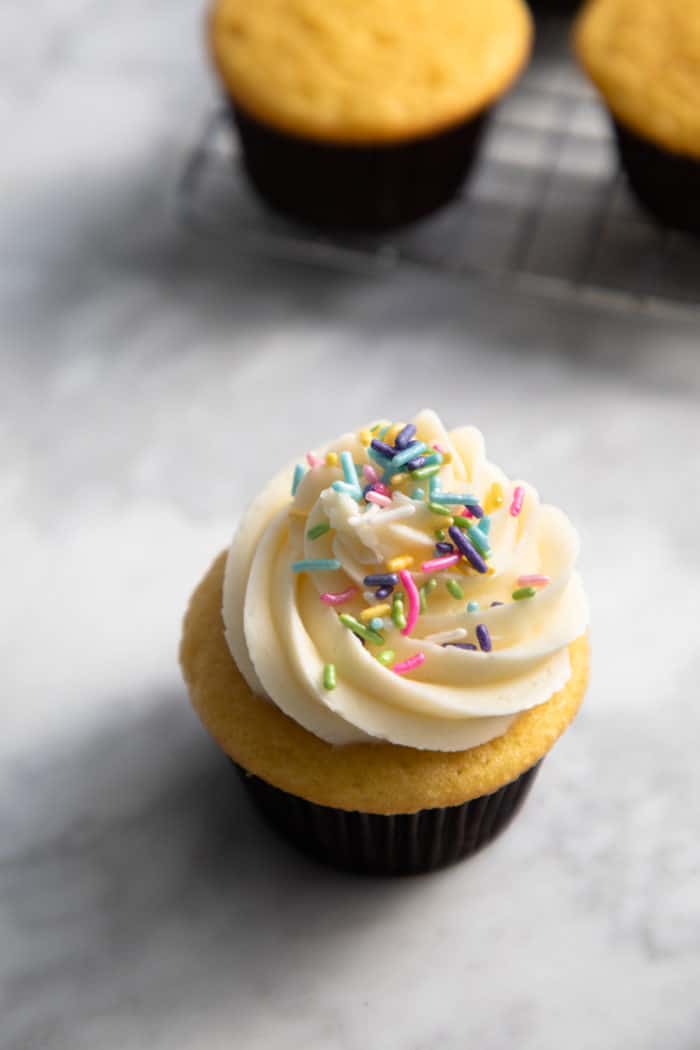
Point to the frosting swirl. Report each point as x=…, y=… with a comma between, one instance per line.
x=515, y=599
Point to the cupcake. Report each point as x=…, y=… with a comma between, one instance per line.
x=364, y=113
x=394, y=641
x=644, y=58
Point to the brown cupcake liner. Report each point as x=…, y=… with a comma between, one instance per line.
x=347, y=186
x=401, y=844
x=666, y=183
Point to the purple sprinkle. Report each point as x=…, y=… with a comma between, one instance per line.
x=383, y=592
x=484, y=638
x=476, y=510
x=494, y=604
x=405, y=437
x=383, y=449
x=444, y=548
x=459, y=645
x=416, y=464
x=464, y=546
x=381, y=579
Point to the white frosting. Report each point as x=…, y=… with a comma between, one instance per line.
x=281, y=634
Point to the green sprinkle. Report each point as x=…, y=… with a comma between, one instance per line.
x=472, y=607
x=426, y=472
x=322, y=564
x=299, y=472
x=329, y=676
x=439, y=508
x=422, y=598
x=360, y=630
x=375, y=428
x=384, y=431
x=376, y=623
x=430, y=585
x=397, y=612
x=418, y=494
x=464, y=523
x=440, y=534
x=454, y=588
x=318, y=530
x=387, y=657
x=523, y=592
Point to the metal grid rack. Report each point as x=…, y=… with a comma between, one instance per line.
x=546, y=208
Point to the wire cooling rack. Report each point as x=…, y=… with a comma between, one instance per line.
x=546, y=208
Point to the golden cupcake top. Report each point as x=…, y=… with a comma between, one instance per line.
x=644, y=57
x=366, y=71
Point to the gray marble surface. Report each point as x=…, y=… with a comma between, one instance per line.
x=147, y=385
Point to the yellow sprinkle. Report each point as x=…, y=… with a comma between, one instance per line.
x=331, y=459
x=365, y=437
x=375, y=610
x=294, y=512
x=398, y=479
x=404, y=561
x=446, y=458
x=494, y=498
x=392, y=434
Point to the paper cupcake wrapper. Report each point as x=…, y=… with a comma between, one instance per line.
x=404, y=844
x=666, y=183
x=354, y=186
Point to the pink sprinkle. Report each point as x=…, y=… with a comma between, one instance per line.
x=370, y=473
x=464, y=513
x=413, y=600
x=435, y=564
x=378, y=497
x=313, y=460
x=339, y=597
x=379, y=486
x=439, y=448
x=410, y=664
x=535, y=580
x=518, y=497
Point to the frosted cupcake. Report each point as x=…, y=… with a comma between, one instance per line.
x=394, y=641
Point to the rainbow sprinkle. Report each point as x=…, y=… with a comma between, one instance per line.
x=339, y=597
x=483, y=638
x=299, y=472
x=318, y=530
x=517, y=502
x=316, y=564
x=410, y=664
x=413, y=601
x=366, y=633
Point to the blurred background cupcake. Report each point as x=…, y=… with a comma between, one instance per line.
x=644, y=58
x=364, y=113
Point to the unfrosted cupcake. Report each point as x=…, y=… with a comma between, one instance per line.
x=364, y=113
x=394, y=641
x=644, y=58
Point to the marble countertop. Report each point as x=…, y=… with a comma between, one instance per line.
x=147, y=384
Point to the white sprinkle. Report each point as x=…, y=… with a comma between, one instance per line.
x=446, y=636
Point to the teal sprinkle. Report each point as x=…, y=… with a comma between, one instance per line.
x=431, y=461
x=352, y=490
x=479, y=540
x=376, y=623
x=349, y=472
x=402, y=458
x=299, y=472
x=435, y=485
x=454, y=497
x=378, y=458
x=485, y=525
x=311, y=564
x=472, y=607
x=418, y=493
x=318, y=530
